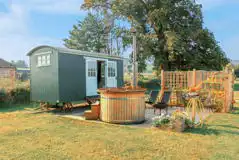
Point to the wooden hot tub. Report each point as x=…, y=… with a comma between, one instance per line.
x=121, y=105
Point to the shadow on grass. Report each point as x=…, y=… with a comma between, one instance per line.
x=206, y=130
x=235, y=110
x=58, y=111
x=203, y=131
x=16, y=107
x=227, y=126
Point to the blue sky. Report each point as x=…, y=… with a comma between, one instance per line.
x=25, y=24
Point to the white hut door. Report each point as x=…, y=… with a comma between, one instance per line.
x=112, y=74
x=91, y=78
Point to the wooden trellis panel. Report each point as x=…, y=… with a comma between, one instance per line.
x=221, y=81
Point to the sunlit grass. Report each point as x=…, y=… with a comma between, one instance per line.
x=24, y=135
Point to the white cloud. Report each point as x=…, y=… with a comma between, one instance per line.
x=13, y=22
x=15, y=38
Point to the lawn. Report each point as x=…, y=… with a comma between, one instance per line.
x=24, y=135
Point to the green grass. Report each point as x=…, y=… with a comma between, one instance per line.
x=24, y=135
x=236, y=87
x=16, y=107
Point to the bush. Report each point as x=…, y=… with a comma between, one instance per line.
x=178, y=121
x=20, y=95
x=152, y=84
x=3, y=95
x=15, y=96
x=161, y=121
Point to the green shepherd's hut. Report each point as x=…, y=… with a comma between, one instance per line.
x=67, y=75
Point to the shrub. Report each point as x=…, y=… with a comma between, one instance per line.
x=178, y=121
x=15, y=96
x=178, y=115
x=152, y=84
x=3, y=95
x=161, y=121
x=20, y=95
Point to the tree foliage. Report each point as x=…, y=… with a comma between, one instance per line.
x=170, y=31
x=20, y=64
x=87, y=35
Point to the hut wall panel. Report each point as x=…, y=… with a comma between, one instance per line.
x=72, y=77
x=44, y=80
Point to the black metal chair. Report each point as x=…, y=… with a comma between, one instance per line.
x=157, y=102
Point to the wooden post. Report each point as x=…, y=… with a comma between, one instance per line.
x=193, y=110
x=228, y=88
x=135, y=64
x=194, y=77
x=162, y=79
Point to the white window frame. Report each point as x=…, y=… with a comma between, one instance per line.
x=43, y=60
x=111, y=69
x=91, y=69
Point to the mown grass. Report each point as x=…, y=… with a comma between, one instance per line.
x=25, y=135
x=4, y=108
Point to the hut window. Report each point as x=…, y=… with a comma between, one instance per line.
x=111, y=70
x=91, y=69
x=39, y=61
x=43, y=60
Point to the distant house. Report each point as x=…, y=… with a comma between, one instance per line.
x=23, y=73
x=6, y=68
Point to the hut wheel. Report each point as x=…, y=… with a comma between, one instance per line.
x=44, y=105
x=67, y=106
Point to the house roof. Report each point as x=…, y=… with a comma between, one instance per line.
x=5, y=64
x=76, y=52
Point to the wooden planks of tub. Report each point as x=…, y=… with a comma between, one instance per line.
x=122, y=106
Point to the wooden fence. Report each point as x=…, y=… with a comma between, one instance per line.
x=222, y=81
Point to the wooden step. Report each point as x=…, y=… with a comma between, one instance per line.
x=88, y=112
x=96, y=109
x=89, y=115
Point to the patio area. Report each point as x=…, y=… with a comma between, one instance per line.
x=78, y=114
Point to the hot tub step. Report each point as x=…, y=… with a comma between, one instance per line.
x=89, y=115
x=95, y=109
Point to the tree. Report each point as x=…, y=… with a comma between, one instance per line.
x=207, y=53
x=19, y=64
x=169, y=30
x=87, y=35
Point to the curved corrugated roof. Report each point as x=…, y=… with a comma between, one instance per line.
x=74, y=51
